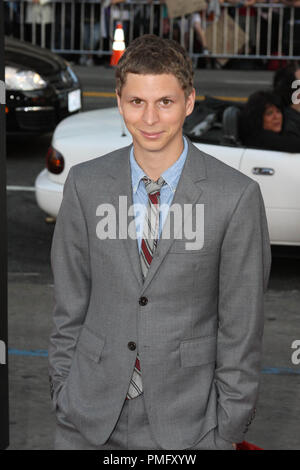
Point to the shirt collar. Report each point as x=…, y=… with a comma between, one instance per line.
x=171, y=175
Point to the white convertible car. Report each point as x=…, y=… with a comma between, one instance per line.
x=94, y=133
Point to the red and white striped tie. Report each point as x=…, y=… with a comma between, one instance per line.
x=149, y=244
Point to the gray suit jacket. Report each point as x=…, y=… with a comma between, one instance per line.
x=199, y=336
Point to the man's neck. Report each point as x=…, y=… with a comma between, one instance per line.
x=154, y=163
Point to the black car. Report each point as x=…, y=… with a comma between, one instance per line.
x=41, y=88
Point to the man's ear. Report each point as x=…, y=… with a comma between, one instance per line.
x=190, y=102
x=119, y=102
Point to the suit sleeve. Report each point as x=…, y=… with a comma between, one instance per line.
x=244, y=272
x=71, y=272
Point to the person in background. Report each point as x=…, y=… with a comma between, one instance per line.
x=267, y=23
x=242, y=6
x=147, y=18
x=189, y=21
x=291, y=19
x=196, y=23
x=120, y=12
x=261, y=124
x=39, y=22
x=92, y=31
x=12, y=19
x=282, y=84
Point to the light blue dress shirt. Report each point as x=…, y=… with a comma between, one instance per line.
x=140, y=196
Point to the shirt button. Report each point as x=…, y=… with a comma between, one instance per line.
x=143, y=301
x=131, y=346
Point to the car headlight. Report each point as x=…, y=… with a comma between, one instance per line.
x=25, y=80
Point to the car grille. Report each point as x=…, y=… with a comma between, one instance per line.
x=36, y=120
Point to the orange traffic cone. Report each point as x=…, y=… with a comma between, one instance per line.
x=118, y=48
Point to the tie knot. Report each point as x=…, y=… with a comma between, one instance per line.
x=153, y=186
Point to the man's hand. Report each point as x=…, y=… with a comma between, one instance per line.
x=234, y=445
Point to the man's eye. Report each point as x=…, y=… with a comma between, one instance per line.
x=136, y=101
x=165, y=102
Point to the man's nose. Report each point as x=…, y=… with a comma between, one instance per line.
x=150, y=115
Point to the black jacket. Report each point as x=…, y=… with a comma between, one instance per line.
x=280, y=141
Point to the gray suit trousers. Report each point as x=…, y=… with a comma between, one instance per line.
x=132, y=432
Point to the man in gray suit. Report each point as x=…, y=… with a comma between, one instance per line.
x=158, y=323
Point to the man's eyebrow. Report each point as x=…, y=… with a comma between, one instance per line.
x=167, y=97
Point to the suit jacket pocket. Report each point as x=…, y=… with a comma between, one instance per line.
x=89, y=344
x=198, y=351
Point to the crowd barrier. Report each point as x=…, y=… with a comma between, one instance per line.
x=261, y=31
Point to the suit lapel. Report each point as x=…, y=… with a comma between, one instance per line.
x=122, y=186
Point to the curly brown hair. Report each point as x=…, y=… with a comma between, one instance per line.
x=251, y=119
x=150, y=54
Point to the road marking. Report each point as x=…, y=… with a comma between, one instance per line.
x=281, y=371
x=20, y=188
x=103, y=94
x=37, y=352
x=225, y=98
x=99, y=94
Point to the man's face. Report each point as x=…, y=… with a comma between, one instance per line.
x=154, y=108
x=272, y=119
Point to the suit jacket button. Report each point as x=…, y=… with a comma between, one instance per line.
x=143, y=301
x=131, y=346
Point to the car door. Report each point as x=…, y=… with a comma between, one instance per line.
x=278, y=175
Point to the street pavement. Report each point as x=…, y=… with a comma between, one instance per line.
x=30, y=290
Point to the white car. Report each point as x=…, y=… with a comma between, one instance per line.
x=94, y=133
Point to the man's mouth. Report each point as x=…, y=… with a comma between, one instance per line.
x=151, y=135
